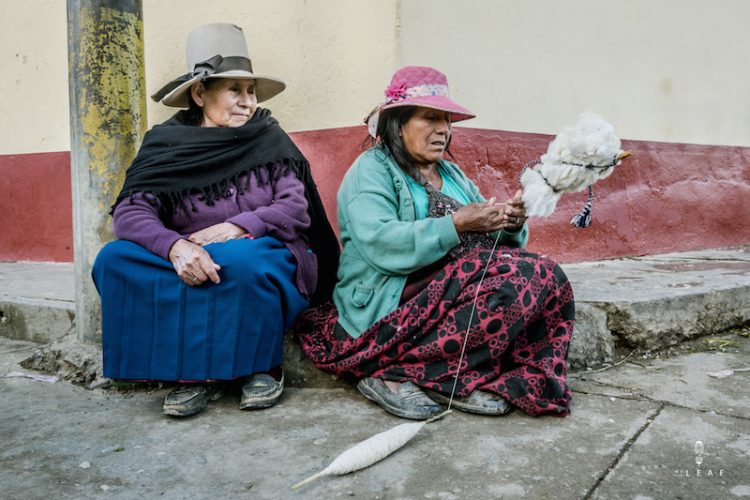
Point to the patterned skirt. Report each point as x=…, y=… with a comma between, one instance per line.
x=516, y=345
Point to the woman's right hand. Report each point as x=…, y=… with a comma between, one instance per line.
x=479, y=217
x=193, y=264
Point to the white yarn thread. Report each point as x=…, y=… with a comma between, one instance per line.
x=471, y=316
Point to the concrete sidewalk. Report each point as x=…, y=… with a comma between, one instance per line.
x=633, y=433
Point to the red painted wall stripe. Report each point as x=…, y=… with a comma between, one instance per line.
x=667, y=197
x=35, y=207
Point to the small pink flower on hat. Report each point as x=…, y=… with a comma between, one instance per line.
x=418, y=86
x=395, y=93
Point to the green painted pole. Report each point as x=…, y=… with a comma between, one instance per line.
x=107, y=123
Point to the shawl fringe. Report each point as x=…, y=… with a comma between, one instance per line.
x=173, y=201
x=177, y=162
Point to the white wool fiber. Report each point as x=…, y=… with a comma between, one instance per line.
x=538, y=197
x=374, y=449
x=369, y=451
x=591, y=141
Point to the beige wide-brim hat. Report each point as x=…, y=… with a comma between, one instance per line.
x=217, y=50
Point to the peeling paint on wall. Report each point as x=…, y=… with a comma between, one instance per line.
x=107, y=122
x=110, y=72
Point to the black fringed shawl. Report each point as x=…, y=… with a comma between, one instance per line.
x=177, y=160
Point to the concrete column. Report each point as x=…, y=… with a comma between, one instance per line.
x=107, y=123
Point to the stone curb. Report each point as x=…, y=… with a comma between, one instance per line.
x=641, y=304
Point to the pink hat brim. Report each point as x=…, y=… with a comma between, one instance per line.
x=439, y=102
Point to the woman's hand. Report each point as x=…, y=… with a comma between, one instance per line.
x=193, y=264
x=479, y=217
x=514, y=215
x=217, y=233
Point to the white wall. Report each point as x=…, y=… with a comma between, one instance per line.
x=330, y=53
x=34, y=84
x=663, y=70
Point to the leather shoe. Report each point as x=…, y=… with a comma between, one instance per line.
x=261, y=391
x=478, y=402
x=188, y=400
x=408, y=402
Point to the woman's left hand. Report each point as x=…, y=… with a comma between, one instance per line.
x=217, y=233
x=514, y=215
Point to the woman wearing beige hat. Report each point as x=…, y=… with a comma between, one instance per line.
x=409, y=318
x=222, y=238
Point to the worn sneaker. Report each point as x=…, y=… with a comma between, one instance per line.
x=478, y=402
x=261, y=391
x=408, y=402
x=188, y=400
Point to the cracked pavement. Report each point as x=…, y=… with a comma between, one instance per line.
x=646, y=428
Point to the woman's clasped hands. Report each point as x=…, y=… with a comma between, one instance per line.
x=491, y=216
x=192, y=263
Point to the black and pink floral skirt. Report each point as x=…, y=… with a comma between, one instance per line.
x=518, y=337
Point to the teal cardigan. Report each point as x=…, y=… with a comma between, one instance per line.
x=382, y=240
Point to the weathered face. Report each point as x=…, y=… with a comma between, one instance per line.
x=425, y=135
x=228, y=102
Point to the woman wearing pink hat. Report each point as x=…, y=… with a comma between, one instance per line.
x=407, y=313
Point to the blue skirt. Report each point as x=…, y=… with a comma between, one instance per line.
x=154, y=327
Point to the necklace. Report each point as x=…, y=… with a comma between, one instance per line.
x=432, y=176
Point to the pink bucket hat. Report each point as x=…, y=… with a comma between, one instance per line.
x=418, y=86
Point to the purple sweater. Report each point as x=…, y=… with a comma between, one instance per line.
x=277, y=209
